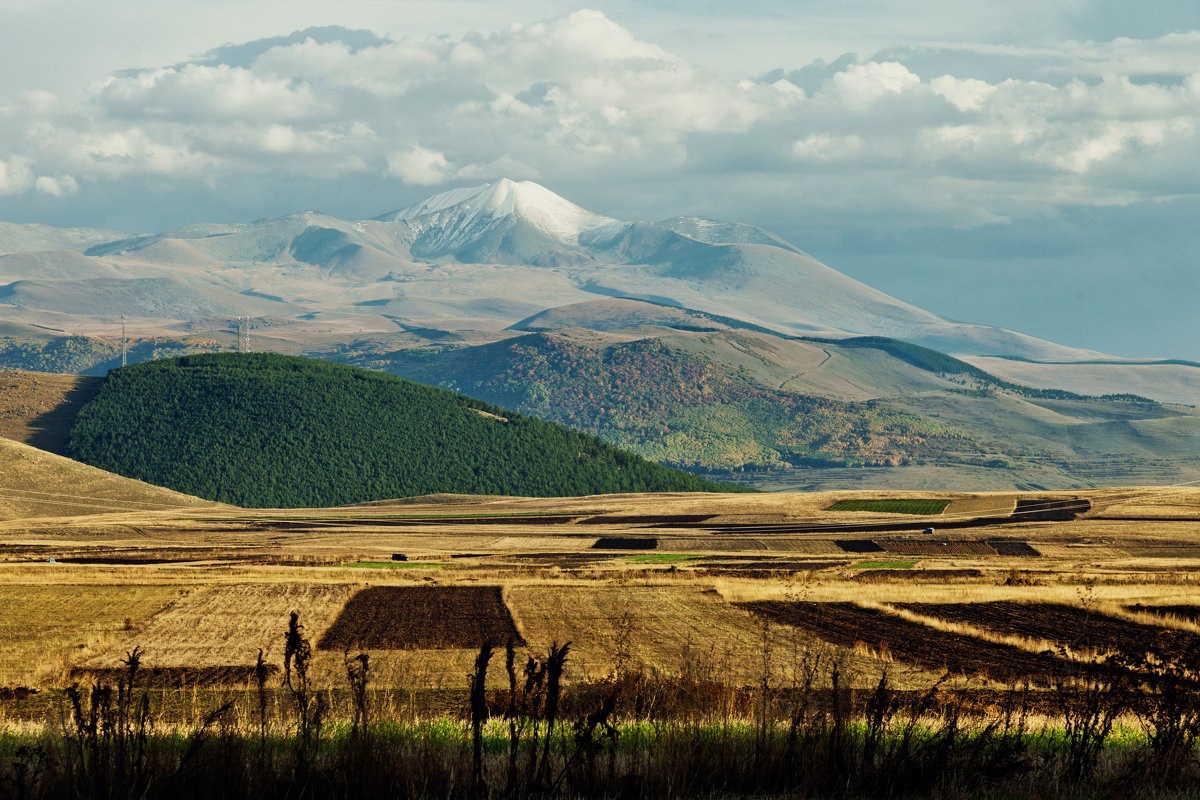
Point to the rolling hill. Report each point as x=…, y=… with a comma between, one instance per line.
x=810, y=413
x=265, y=430
x=41, y=484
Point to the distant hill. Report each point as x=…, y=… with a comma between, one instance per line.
x=681, y=408
x=264, y=430
x=796, y=413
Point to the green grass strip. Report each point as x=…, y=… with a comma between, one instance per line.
x=659, y=558
x=884, y=565
x=924, y=507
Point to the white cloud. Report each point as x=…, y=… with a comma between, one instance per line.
x=61, y=186
x=199, y=92
x=420, y=166
x=580, y=100
x=861, y=85
x=826, y=147
x=16, y=177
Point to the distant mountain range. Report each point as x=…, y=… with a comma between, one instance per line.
x=713, y=346
x=485, y=257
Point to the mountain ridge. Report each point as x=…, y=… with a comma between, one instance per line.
x=499, y=251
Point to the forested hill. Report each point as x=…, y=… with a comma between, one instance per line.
x=270, y=431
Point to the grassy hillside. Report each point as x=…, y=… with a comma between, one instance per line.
x=41, y=484
x=266, y=430
x=676, y=407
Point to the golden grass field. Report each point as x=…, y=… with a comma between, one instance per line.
x=200, y=586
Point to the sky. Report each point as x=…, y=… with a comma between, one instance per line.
x=1034, y=165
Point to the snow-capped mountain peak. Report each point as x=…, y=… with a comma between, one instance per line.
x=480, y=208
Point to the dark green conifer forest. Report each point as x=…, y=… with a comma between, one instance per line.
x=270, y=431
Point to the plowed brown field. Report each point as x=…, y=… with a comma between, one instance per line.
x=1068, y=625
x=1013, y=547
x=422, y=618
x=847, y=624
x=1189, y=612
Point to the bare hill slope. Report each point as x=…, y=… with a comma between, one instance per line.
x=34, y=483
x=38, y=408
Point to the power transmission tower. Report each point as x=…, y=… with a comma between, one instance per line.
x=124, y=343
x=243, y=334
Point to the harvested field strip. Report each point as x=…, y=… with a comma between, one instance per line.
x=1068, y=625
x=41, y=627
x=858, y=546
x=728, y=544
x=872, y=575
x=554, y=558
x=773, y=564
x=900, y=506
x=223, y=625
x=1191, y=613
x=394, y=565
x=422, y=618
x=175, y=677
x=1084, y=551
x=765, y=569
x=625, y=543
x=816, y=547
x=846, y=624
x=673, y=628
x=534, y=542
x=1013, y=548
x=940, y=547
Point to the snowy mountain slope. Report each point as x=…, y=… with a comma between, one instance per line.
x=501, y=251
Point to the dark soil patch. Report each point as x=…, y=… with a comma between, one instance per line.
x=1072, y=626
x=658, y=520
x=846, y=624
x=938, y=547
x=422, y=618
x=128, y=560
x=871, y=575
x=1169, y=551
x=1013, y=547
x=1050, y=509
x=173, y=677
x=625, y=543
x=1190, y=613
x=858, y=546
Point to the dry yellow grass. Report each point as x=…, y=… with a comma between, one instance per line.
x=44, y=628
x=227, y=625
x=40, y=484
